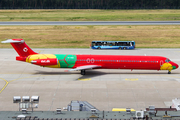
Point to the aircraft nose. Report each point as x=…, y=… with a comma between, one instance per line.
x=175, y=66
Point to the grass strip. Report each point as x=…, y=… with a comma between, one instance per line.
x=89, y=15
x=81, y=36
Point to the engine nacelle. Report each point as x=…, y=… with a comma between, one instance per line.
x=20, y=58
x=45, y=62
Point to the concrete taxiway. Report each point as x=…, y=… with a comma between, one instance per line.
x=105, y=89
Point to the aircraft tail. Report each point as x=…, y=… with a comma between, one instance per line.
x=21, y=48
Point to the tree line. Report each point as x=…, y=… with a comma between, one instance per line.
x=89, y=4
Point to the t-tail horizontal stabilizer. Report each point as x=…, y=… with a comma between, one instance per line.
x=13, y=41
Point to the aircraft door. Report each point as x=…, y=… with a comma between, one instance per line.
x=161, y=62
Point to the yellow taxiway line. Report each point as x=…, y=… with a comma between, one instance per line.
x=131, y=79
x=4, y=85
x=7, y=82
x=84, y=79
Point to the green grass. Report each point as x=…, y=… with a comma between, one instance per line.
x=89, y=15
x=82, y=36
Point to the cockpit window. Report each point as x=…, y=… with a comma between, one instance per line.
x=167, y=60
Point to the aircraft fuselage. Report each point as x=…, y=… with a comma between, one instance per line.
x=106, y=61
x=84, y=62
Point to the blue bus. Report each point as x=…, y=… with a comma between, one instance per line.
x=113, y=45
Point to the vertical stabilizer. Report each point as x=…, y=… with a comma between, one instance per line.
x=21, y=47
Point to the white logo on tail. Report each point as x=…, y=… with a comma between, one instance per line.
x=25, y=49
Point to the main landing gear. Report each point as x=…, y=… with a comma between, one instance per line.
x=83, y=72
x=169, y=72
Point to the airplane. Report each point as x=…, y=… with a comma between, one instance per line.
x=84, y=62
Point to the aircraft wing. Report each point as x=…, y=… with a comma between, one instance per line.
x=85, y=67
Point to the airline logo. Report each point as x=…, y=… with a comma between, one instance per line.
x=25, y=49
x=45, y=61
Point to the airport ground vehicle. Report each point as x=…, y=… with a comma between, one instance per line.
x=113, y=45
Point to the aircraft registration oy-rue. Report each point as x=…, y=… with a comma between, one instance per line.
x=85, y=62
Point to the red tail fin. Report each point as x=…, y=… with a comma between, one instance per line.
x=21, y=47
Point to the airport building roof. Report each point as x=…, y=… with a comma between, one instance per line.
x=166, y=113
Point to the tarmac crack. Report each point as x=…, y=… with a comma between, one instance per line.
x=54, y=97
x=134, y=96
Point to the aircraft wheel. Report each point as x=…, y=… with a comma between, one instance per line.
x=83, y=72
x=169, y=72
x=99, y=48
x=124, y=48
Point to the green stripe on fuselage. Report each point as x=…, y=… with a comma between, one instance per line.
x=65, y=60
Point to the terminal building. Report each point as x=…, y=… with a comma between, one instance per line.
x=82, y=110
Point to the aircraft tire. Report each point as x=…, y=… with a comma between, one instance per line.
x=169, y=72
x=83, y=72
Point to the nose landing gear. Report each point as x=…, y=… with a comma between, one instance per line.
x=169, y=72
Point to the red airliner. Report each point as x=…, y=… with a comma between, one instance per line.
x=84, y=62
